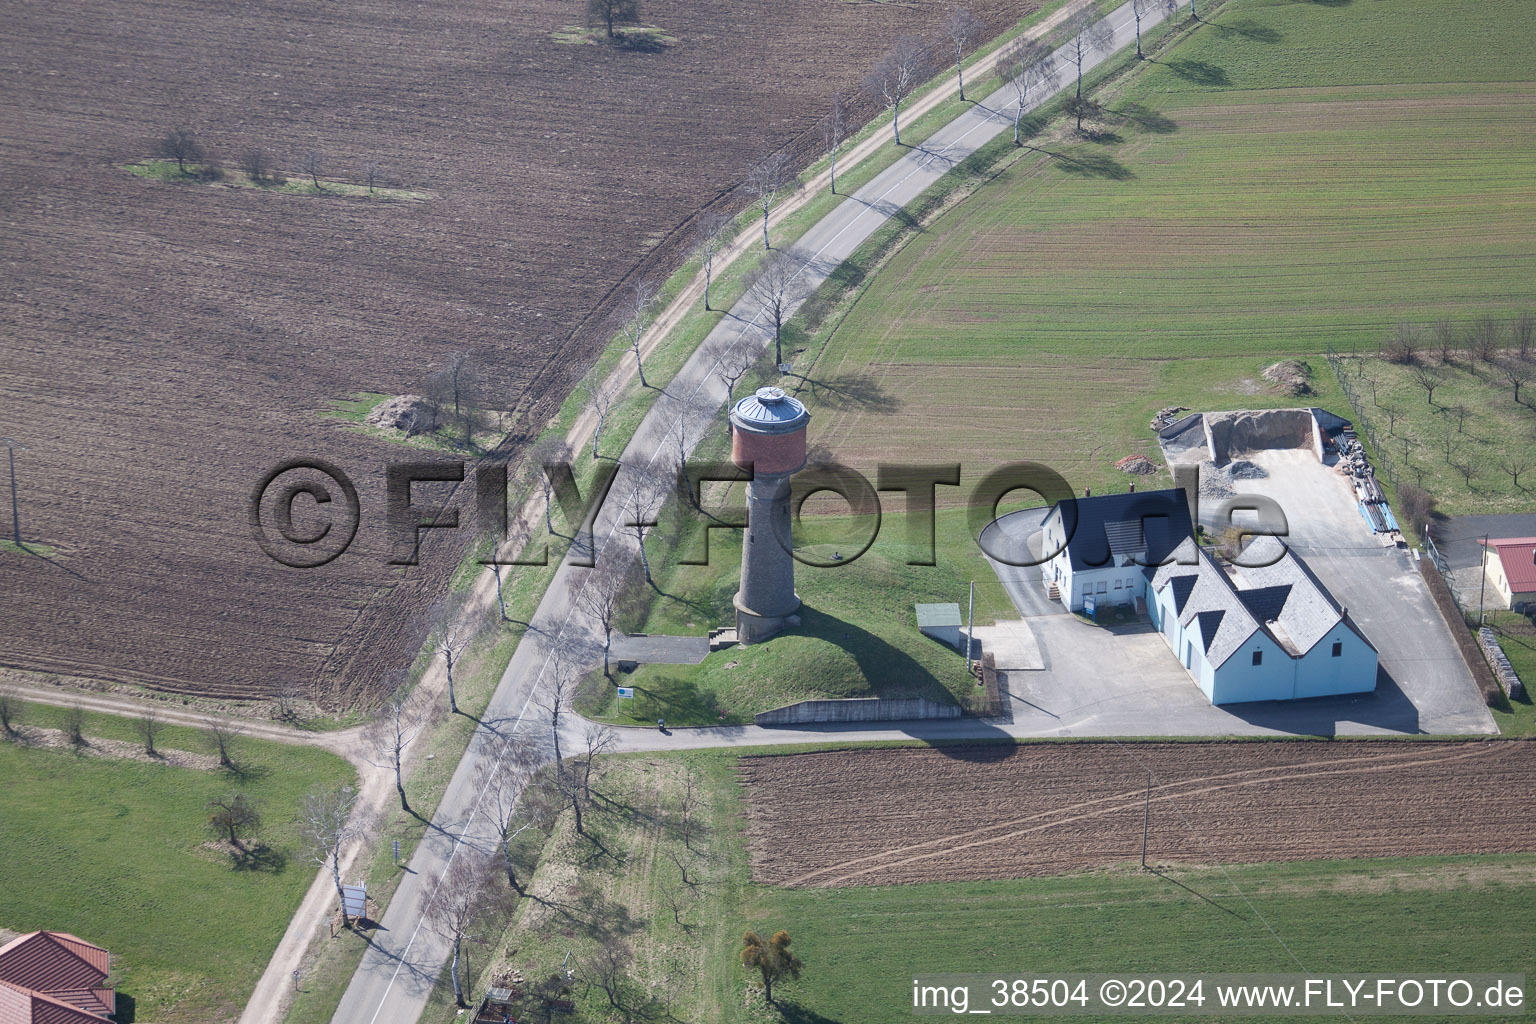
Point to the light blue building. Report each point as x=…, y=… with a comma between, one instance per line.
x=1267, y=633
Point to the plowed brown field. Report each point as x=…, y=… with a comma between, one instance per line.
x=163, y=345
x=882, y=817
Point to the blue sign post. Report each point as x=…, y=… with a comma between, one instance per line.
x=1089, y=607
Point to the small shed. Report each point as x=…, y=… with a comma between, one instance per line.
x=941, y=622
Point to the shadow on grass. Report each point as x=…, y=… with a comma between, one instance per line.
x=260, y=857
x=1248, y=29
x=1092, y=165
x=797, y=1014
x=127, y=1008
x=1145, y=118
x=855, y=390
x=1199, y=72
x=682, y=701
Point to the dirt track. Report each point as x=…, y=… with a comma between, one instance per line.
x=900, y=816
x=167, y=344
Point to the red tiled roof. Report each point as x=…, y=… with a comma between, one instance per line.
x=60, y=978
x=1518, y=556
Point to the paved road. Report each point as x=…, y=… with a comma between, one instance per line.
x=399, y=970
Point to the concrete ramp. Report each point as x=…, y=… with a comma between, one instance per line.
x=1012, y=645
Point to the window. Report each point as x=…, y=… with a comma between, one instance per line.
x=1258, y=657
x=1101, y=588
x=1338, y=648
x=1118, y=584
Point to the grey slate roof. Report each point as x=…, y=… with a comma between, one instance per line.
x=1150, y=524
x=1283, y=599
x=945, y=614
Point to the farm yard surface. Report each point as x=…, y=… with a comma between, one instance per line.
x=992, y=812
x=168, y=343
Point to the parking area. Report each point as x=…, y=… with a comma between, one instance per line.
x=1124, y=680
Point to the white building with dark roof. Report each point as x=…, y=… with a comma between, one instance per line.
x=1101, y=545
x=1272, y=632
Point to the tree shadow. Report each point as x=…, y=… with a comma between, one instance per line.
x=855, y=390
x=682, y=701
x=1145, y=118
x=1199, y=72
x=797, y=1014
x=1248, y=29
x=1092, y=165
x=1332, y=3
x=260, y=857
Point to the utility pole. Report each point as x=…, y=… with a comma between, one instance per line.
x=970, y=628
x=11, y=446
x=1482, y=584
x=1146, y=818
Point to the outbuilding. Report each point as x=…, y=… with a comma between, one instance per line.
x=941, y=622
x=1511, y=568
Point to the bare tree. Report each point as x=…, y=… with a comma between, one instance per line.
x=1089, y=33
x=257, y=165
x=1428, y=378
x=457, y=904
x=74, y=726
x=731, y=368
x=602, y=597
x=601, y=395
x=1524, y=332
x=394, y=726
x=373, y=172
x=1140, y=9
x=1446, y=338
x=310, y=164
x=713, y=234
x=636, y=311
x=834, y=132
x=449, y=637
x=1484, y=339
x=182, y=145
x=147, y=725
x=549, y=452
x=607, y=969
x=688, y=807
x=774, y=286
x=222, y=735
x=600, y=740
x=1518, y=372
x=963, y=30
x=456, y=383
x=1514, y=464
x=11, y=712
x=503, y=776
x=1402, y=345
x=326, y=827
x=765, y=179
x=641, y=501
x=1027, y=65
x=231, y=814
x=613, y=12
x=569, y=656
x=901, y=70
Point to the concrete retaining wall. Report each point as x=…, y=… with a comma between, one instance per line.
x=858, y=709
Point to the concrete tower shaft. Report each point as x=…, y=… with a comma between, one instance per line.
x=768, y=437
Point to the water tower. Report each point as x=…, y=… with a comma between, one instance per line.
x=769, y=439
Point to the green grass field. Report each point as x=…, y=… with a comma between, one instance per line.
x=116, y=852
x=858, y=636
x=1288, y=175
x=862, y=946
x=1457, y=447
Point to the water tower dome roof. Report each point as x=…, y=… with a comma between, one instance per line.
x=770, y=411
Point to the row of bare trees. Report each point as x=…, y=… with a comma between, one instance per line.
x=259, y=165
